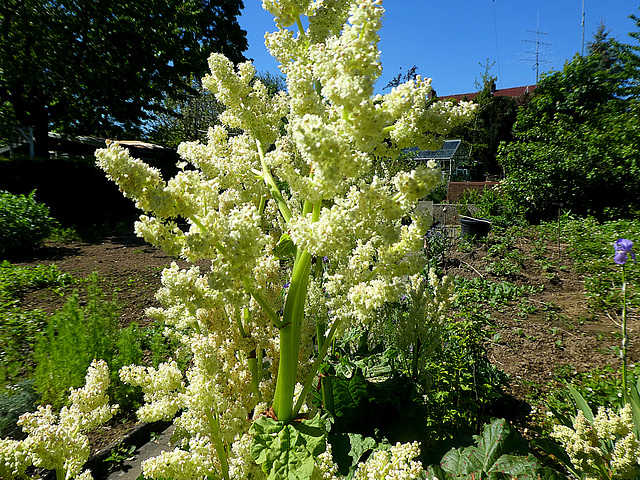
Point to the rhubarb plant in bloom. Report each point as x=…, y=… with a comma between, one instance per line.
x=294, y=235
x=58, y=441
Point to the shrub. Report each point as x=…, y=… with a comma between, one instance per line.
x=24, y=223
x=15, y=401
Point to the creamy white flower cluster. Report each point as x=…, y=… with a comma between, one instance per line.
x=249, y=106
x=325, y=468
x=14, y=458
x=335, y=120
x=58, y=441
x=161, y=388
x=608, y=442
x=396, y=463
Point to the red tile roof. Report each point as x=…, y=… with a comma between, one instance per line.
x=503, y=92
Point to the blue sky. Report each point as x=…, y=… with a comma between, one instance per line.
x=450, y=41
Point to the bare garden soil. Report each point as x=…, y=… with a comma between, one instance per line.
x=531, y=348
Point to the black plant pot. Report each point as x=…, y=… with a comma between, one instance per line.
x=474, y=227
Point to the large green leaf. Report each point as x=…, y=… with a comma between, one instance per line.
x=517, y=466
x=349, y=392
x=495, y=457
x=285, y=246
x=461, y=463
x=287, y=450
x=348, y=449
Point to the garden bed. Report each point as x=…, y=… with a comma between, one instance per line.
x=540, y=338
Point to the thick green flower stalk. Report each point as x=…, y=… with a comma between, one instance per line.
x=282, y=207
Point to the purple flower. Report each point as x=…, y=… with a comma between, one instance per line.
x=623, y=248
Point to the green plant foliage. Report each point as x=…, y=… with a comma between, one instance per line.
x=463, y=383
x=491, y=124
x=64, y=235
x=145, y=50
x=76, y=335
x=591, y=248
x=491, y=204
x=474, y=294
x=575, y=145
x=606, y=444
x=15, y=401
x=438, y=243
x=499, y=453
x=348, y=449
x=287, y=450
x=19, y=328
x=19, y=331
x=598, y=386
x=122, y=453
x=348, y=393
x=16, y=280
x=24, y=223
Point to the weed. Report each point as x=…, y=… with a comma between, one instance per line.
x=20, y=328
x=122, y=453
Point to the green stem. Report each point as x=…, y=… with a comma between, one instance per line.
x=221, y=451
x=416, y=356
x=195, y=220
x=326, y=384
x=290, y=338
x=316, y=365
x=300, y=27
x=273, y=316
x=243, y=334
x=625, y=340
x=256, y=373
x=60, y=474
x=252, y=361
x=272, y=185
x=290, y=329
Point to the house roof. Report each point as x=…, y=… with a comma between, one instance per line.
x=446, y=152
x=503, y=92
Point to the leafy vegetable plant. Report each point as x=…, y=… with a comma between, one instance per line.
x=499, y=453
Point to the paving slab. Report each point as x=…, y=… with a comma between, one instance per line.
x=148, y=444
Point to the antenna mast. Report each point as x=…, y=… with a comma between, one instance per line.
x=538, y=43
x=582, y=28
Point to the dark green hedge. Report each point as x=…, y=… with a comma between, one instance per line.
x=77, y=193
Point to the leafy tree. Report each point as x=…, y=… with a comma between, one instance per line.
x=185, y=119
x=574, y=147
x=632, y=54
x=412, y=74
x=491, y=125
x=102, y=67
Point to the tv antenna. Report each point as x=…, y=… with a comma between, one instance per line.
x=582, y=54
x=537, y=41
